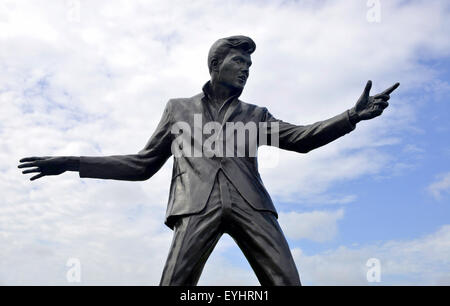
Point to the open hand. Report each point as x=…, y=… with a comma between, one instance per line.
x=44, y=166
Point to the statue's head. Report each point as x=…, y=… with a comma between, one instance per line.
x=229, y=60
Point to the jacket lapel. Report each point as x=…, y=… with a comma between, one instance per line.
x=233, y=108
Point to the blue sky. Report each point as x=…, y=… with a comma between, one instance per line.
x=92, y=78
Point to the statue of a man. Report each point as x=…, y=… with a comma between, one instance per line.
x=212, y=194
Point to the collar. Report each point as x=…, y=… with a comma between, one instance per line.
x=231, y=102
x=207, y=92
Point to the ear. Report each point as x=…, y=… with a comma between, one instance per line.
x=214, y=65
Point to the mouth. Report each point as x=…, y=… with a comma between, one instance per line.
x=242, y=78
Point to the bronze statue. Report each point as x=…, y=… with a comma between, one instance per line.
x=212, y=193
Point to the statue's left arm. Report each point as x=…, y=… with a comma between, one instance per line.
x=304, y=138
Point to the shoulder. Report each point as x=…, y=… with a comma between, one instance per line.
x=182, y=108
x=184, y=102
x=253, y=108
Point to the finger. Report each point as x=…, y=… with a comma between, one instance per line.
x=382, y=97
x=27, y=165
x=391, y=89
x=31, y=159
x=367, y=89
x=31, y=170
x=36, y=177
x=381, y=104
x=377, y=112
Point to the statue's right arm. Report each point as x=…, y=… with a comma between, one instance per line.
x=132, y=167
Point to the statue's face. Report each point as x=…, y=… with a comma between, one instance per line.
x=234, y=70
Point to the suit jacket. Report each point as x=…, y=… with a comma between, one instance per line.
x=193, y=177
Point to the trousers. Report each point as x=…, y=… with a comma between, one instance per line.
x=257, y=233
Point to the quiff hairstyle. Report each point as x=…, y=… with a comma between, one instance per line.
x=220, y=49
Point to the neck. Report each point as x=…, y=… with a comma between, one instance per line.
x=220, y=92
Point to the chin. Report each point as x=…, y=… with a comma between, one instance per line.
x=239, y=85
x=236, y=86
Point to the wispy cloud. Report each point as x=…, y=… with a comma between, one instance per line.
x=441, y=187
x=317, y=226
x=418, y=261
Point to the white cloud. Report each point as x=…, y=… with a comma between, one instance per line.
x=440, y=187
x=318, y=226
x=420, y=261
x=98, y=87
x=220, y=269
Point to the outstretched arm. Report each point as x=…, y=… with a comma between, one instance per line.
x=304, y=138
x=133, y=167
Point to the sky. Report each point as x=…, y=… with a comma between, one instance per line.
x=91, y=78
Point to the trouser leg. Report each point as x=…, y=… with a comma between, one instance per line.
x=262, y=241
x=195, y=236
